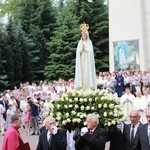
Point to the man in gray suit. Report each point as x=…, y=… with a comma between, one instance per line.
x=144, y=132
x=130, y=132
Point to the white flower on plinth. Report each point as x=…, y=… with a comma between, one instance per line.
x=58, y=114
x=73, y=94
x=76, y=99
x=64, y=95
x=76, y=106
x=110, y=113
x=84, y=115
x=68, y=120
x=105, y=105
x=58, y=118
x=80, y=93
x=117, y=106
x=70, y=100
x=115, y=111
x=67, y=114
x=102, y=98
x=78, y=114
x=74, y=120
x=111, y=105
x=58, y=106
x=78, y=120
x=99, y=105
x=66, y=106
x=70, y=106
x=81, y=100
x=90, y=99
x=87, y=108
x=109, y=124
x=64, y=122
x=66, y=98
x=113, y=122
x=121, y=119
x=62, y=99
x=51, y=106
x=96, y=98
x=82, y=107
x=92, y=108
x=51, y=114
x=73, y=112
x=94, y=92
x=105, y=114
x=115, y=115
x=81, y=116
x=85, y=99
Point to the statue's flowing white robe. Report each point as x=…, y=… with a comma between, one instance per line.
x=85, y=74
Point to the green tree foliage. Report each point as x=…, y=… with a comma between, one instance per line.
x=23, y=44
x=3, y=75
x=41, y=38
x=63, y=45
x=12, y=54
x=37, y=20
x=8, y=51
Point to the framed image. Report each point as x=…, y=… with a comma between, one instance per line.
x=126, y=55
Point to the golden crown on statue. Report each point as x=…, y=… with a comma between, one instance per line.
x=84, y=27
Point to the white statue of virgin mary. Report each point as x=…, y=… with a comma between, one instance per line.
x=85, y=74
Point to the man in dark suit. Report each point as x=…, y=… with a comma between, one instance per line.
x=52, y=138
x=91, y=137
x=144, y=132
x=131, y=132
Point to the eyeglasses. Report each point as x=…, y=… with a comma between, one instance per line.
x=134, y=117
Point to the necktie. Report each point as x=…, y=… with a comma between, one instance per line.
x=90, y=132
x=132, y=133
x=50, y=140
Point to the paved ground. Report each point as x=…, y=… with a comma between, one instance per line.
x=33, y=140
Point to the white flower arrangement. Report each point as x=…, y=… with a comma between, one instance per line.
x=72, y=108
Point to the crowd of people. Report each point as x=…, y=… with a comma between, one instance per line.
x=133, y=136
x=31, y=101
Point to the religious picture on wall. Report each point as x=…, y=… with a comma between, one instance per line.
x=126, y=55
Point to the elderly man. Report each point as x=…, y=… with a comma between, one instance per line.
x=131, y=132
x=12, y=139
x=52, y=138
x=91, y=137
x=144, y=132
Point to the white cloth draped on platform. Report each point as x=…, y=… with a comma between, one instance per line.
x=70, y=141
